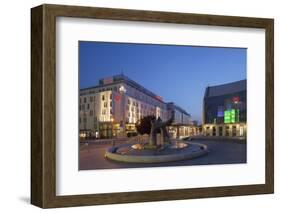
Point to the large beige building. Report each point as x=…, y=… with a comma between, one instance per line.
x=113, y=107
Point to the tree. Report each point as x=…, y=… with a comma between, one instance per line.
x=143, y=126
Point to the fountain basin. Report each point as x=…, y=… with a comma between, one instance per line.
x=174, y=152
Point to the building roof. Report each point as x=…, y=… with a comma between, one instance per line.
x=109, y=81
x=224, y=89
x=174, y=106
x=124, y=79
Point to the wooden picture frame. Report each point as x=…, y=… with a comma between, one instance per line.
x=43, y=105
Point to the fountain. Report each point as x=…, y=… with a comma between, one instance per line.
x=156, y=151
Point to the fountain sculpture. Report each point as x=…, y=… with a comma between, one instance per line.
x=154, y=151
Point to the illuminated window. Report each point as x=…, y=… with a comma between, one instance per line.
x=214, y=131
x=227, y=131
x=220, y=131
x=241, y=131
x=234, y=132
x=231, y=116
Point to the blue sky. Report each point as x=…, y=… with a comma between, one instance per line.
x=177, y=73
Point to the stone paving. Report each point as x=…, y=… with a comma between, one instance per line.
x=221, y=152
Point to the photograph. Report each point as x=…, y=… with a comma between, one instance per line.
x=158, y=105
x=140, y=105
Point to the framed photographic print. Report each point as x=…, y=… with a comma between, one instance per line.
x=136, y=106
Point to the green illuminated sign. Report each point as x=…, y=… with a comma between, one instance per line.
x=231, y=116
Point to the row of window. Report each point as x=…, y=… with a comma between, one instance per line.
x=84, y=119
x=93, y=98
x=235, y=132
x=82, y=107
x=100, y=90
x=103, y=97
x=143, y=97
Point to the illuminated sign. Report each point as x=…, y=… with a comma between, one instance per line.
x=159, y=98
x=236, y=99
x=231, y=116
x=117, y=98
x=122, y=89
x=108, y=80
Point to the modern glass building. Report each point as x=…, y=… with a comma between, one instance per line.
x=225, y=110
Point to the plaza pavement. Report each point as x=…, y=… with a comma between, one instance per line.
x=91, y=155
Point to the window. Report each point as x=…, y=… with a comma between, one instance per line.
x=102, y=97
x=207, y=131
x=110, y=96
x=83, y=107
x=234, y=132
x=214, y=131
x=111, y=103
x=241, y=131
x=91, y=98
x=91, y=112
x=220, y=131
x=105, y=104
x=227, y=131
x=85, y=99
x=88, y=106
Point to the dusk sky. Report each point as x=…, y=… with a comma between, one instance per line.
x=178, y=74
